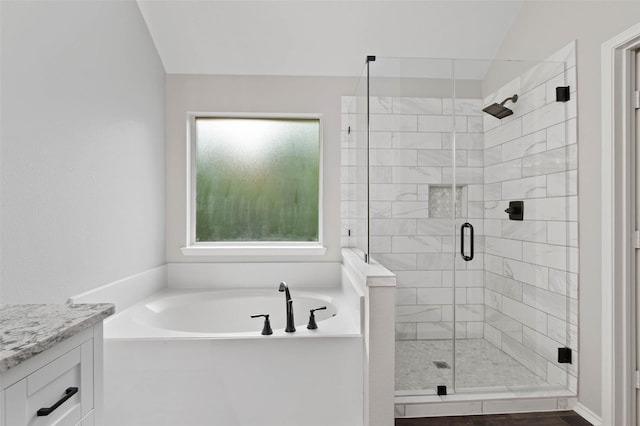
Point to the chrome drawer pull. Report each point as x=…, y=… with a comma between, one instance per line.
x=67, y=394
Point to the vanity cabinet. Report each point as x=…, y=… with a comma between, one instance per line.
x=63, y=384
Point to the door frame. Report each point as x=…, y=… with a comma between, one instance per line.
x=618, y=225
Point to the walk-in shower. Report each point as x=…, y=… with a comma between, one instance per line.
x=484, y=302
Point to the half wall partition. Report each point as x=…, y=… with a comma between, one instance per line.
x=475, y=214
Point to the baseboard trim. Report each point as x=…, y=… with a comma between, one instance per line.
x=587, y=414
x=127, y=291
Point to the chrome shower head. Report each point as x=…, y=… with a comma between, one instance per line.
x=499, y=110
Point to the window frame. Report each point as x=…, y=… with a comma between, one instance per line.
x=247, y=248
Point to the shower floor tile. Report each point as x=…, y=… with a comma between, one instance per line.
x=479, y=364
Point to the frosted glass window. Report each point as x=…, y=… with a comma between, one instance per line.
x=257, y=179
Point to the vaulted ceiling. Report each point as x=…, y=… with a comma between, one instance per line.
x=319, y=37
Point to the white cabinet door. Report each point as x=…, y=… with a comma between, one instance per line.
x=88, y=420
x=53, y=395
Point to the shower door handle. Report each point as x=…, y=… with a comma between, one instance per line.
x=464, y=256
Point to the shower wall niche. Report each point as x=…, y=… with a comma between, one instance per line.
x=420, y=159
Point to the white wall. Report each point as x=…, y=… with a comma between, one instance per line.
x=540, y=29
x=206, y=93
x=82, y=155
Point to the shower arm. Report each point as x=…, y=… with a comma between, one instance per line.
x=513, y=99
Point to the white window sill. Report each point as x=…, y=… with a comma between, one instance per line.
x=255, y=250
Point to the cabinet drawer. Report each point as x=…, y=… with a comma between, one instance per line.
x=48, y=386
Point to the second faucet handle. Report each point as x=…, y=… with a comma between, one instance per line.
x=266, y=330
x=312, y=318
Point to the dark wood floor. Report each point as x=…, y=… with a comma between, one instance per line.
x=557, y=418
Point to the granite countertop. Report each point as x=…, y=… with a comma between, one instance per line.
x=27, y=330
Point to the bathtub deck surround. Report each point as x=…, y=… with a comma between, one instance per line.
x=198, y=334
x=378, y=286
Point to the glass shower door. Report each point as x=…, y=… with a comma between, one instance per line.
x=465, y=180
x=515, y=183
x=354, y=171
x=411, y=224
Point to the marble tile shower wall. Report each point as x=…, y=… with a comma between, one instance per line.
x=531, y=266
x=411, y=228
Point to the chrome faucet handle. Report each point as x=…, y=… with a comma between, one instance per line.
x=266, y=329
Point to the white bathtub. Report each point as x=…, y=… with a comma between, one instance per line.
x=196, y=358
x=227, y=314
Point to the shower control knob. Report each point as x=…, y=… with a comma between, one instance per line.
x=515, y=210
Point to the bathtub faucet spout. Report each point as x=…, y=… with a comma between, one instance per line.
x=290, y=322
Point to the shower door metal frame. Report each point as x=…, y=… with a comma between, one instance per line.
x=367, y=255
